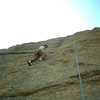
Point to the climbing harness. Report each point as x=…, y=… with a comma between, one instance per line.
x=78, y=69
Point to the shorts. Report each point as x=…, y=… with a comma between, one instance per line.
x=39, y=53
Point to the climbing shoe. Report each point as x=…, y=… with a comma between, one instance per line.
x=29, y=63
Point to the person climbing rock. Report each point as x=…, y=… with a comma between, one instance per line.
x=39, y=54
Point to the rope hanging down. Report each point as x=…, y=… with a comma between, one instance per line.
x=78, y=69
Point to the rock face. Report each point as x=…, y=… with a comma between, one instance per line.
x=56, y=78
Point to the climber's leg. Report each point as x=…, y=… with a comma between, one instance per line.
x=32, y=60
x=43, y=57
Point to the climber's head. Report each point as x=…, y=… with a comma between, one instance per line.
x=46, y=46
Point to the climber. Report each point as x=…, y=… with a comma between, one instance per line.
x=39, y=54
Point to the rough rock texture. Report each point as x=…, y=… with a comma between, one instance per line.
x=55, y=78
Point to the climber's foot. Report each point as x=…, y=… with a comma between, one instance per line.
x=29, y=63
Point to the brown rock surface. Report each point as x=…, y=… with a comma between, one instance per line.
x=55, y=78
